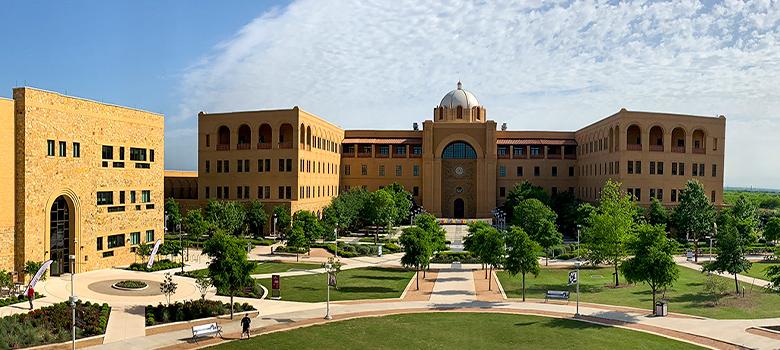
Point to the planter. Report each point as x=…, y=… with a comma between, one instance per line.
x=182, y=325
x=129, y=289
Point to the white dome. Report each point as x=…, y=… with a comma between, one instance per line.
x=459, y=97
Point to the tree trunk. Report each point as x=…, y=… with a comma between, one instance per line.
x=695, y=249
x=490, y=279
x=523, y=286
x=652, y=290
x=486, y=268
x=617, y=280
x=231, y=305
x=418, y=278
x=736, y=283
x=296, y=255
x=423, y=270
x=547, y=259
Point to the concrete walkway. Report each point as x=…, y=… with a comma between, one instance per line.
x=454, y=285
x=682, y=261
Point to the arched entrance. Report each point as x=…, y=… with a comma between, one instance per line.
x=458, y=209
x=60, y=236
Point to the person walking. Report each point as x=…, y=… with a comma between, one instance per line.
x=31, y=296
x=245, y=322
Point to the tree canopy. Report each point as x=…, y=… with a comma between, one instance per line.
x=657, y=214
x=228, y=216
x=521, y=254
x=652, y=261
x=229, y=269
x=402, y=203
x=744, y=217
x=429, y=224
x=731, y=253
x=283, y=220
x=772, y=229
x=521, y=192
x=195, y=224
x=695, y=215
x=538, y=221
x=417, y=249
x=256, y=218
x=172, y=214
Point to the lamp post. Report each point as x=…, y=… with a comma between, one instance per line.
x=274, y=228
x=327, y=304
x=336, y=233
x=577, y=264
x=714, y=233
x=181, y=246
x=73, y=300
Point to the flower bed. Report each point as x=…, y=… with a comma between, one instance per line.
x=131, y=284
x=52, y=324
x=190, y=310
x=164, y=264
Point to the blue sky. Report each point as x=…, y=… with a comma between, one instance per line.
x=536, y=65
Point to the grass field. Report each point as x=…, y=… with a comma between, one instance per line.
x=686, y=296
x=454, y=331
x=353, y=284
x=267, y=267
x=758, y=270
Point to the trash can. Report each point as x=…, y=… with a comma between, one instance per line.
x=661, y=308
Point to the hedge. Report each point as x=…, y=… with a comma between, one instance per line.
x=190, y=310
x=450, y=257
x=160, y=265
x=52, y=324
x=17, y=299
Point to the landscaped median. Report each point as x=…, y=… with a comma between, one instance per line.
x=261, y=267
x=191, y=310
x=687, y=295
x=52, y=324
x=353, y=284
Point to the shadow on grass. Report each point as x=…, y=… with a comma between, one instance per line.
x=381, y=278
x=571, y=324
x=366, y=290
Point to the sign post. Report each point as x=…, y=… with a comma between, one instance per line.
x=574, y=278
x=154, y=252
x=327, y=307
x=276, y=291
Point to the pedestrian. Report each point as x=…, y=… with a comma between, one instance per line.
x=245, y=326
x=31, y=296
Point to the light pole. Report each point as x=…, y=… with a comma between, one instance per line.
x=336, y=233
x=327, y=304
x=714, y=233
x=577, y=264
x=181, y=247
x=275, y=217
x=73, y=301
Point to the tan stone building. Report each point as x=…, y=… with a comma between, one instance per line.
x=458, y=165
x=87, y=181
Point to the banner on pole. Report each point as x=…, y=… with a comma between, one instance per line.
x=332, y=279
x=573, y=277
x=154, y=252
x=276, y=288
x=41, y=271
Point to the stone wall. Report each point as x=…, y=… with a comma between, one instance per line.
x=6, y=184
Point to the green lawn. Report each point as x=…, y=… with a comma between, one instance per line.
x=453, y=331
x=353, y=284
x=758, y=270
x=686, y=296
x=264, y=267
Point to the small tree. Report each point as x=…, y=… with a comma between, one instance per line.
x=657, y=214
x=168, y=287
x=715, y=287
x=229, y=269
x=492, y=250
x=744, y=216
x=143, y=251
x=32, y=267
x=256, y=218
x=521, y=192
x=474, y=241
x=417, y=249
x=772, y=229
x=311, y=226
x=203, y=283
x=296, y=239
x=695, y=215
x=521, y=254
x=283, y=220
x=538, y=221
x=653, y=261
x=380, y=210
x=194, y=223
x=6, y=281
x=429, y=224
x=402, y=202
x=731, y=254
x=227, y=216
x=173, y=213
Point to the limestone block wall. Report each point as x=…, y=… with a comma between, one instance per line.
x=6, y=184
x=41, y=178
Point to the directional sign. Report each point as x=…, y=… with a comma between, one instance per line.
x=572, y=277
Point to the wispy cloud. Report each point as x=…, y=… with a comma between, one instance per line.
x=535, y=65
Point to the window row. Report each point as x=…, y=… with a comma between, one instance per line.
x=107, y=197
x=398, y=170
x=60, y=148
x=519, y=171
x=415, y=189
x=118, y=241
x=637, y=193
x=553, y=191
x=264, y=192
x=141, y=156
x=382, y=151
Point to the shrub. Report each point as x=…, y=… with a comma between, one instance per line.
x=264, y=242
x=51, y=324
x=17, y=299
x=450, y=257
x=131, y=284
x=190, y=310
x=160, y=265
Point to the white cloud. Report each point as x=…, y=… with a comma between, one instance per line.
x=386, y=64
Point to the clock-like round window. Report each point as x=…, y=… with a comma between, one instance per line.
x=459, y=171
x=459, y=189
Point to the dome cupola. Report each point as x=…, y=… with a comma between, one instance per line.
x=459, y=106
x=459, y=97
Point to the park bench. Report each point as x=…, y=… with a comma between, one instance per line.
x=206, y=330
x=556, y=295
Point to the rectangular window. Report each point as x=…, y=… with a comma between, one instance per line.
x=502, y=192
x=108, y=152
x=149, y=236
x=503, y=150
x=240, y=166
x=537, y=171
x=416, y=170
x=260, y=192
x=76, y=150
x=208, y=140
x=714, y=170
x=281, y=165
x=660, y=194
x=151, y=155
x=501, y=171
x=415, y=191
x=674, y=168
x=288, y=165
x=347, y=170
x=712, y=197
x=518, y=151
x=571, y=170
x=381, y=170
x=638, y=167
x=208, y=167
x=695, y=169
x=63, y=149
x=259, y=165
x=652, y=170
x=267, y=165
x=400, y=150
x=554, y=171
x=281, y=192
x=701, y=169
x=50, y=148
x=519, y=171
x=638, y=194
x=146, y=196
x=108, y=254
x=652, y=193
x=100, y=243
x=138, y=154
x=135, y=238
x=554, y=191
x=682, y=169
x=219, y=166
x=219, y=192
x=121, y=197
x=417, y=149
x=226, y=192
x=208, y=192
x=536, y=151
x=226, y=166
x=660, y=168
x=116, y=241
x=267, y=192
x=121, y=153
x=363, y=169
x=105, y=198
x=399, y=170
x=239, y=192
x=630, y=169
x=384, y=150
x=288, y=192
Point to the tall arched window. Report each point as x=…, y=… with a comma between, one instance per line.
x=459, y=150
x=223, y=135
x=460, y=112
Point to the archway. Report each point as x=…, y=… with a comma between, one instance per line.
x=60, y=236
x=458, y=209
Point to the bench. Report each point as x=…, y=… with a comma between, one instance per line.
x=206, y=330
x=556, y=295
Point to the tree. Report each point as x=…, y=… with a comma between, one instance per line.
x=429, y=224
x=311, y=226
x=521, y=192
x=694, y=215
x=173, y=214
x=521, y=254
x=566, y=206
x=32, y=267
x=417, y=249
x=402, y=203
x=744, y=215
x=228, y=216
x=256, y=218
x=229, y=269
x=652, y=261
x=772, y=229
x=538, y=221
x=492, y=250
x=297, y=239
x=6, y=281
x=194, y=223
x=143, y=251
x=344, y=211
x=203, y=283
x=610, y=227
x=168, y=287
x=474, y=241
x=657, y=214
x=731, y=254
x=715, y=286
x=379, y=210
x=283, y=220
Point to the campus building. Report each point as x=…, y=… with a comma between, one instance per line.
x=77, y=177
x=459, y=163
